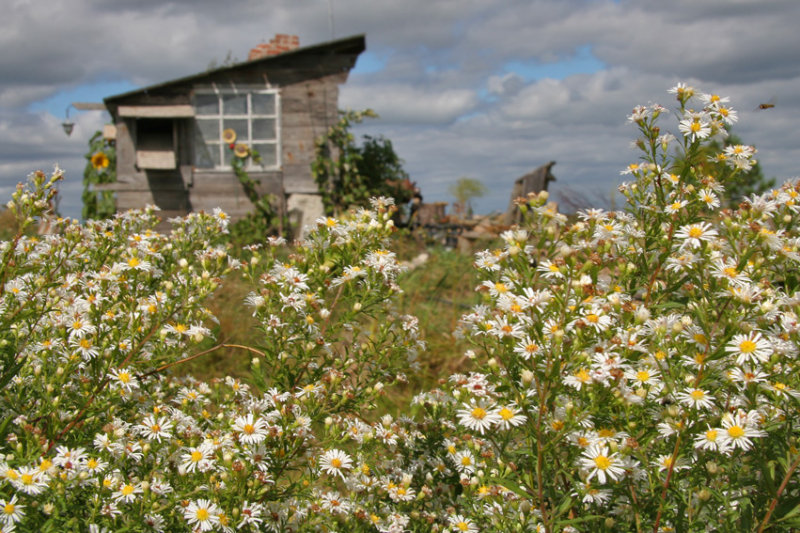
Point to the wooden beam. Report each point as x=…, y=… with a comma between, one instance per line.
x=156, y=111
x=89, y=106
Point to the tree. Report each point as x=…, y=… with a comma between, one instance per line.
x=464, y=190
x=349, y=175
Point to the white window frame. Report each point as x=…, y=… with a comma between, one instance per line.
x=219, y=145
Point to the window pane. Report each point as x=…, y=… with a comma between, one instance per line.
x=203, y=153
x=206, y=104
x=207, y=130
x=263, y=104
x=264, y=129
x=239, y=125
x=268, y=152
x=203, y=157
x=234, y=104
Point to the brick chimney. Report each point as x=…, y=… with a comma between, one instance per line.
x=277, y=45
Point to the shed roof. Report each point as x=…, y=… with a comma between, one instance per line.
x=353, y=45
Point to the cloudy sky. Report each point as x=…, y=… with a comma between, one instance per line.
x=488, y=89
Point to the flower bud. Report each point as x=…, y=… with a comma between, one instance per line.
x=527, y=377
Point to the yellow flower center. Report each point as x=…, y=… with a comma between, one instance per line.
x=479, y=413
x=643, y=375
x=602, y=462
x=582, y=375
x=466, y=460
x=747, y=346
x=695, y=232
x=124, y=377
x=500, y=287
x=127, y=490
x=133, y=262
x=9, y=508
x=593, y=318
x=249, y=429
x=27, y=479
x=202, y=514
x=336, y=462
x=196, y=456
x=462, y=526
x=697, y=394
x=735, y=432
x=711, y=435
x=506, y=413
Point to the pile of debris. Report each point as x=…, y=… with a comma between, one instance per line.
x=467, y=235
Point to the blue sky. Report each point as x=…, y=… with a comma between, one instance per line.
x=488, y=89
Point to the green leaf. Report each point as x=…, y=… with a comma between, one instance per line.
x=9, y=375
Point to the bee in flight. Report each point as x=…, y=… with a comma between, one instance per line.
x=767, y=105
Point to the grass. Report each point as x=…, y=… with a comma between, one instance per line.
x=438, y=292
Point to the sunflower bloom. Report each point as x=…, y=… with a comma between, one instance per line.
x=99, y=161
x=241, y=150
x=228, y=136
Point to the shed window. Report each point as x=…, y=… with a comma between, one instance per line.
x=252, y=115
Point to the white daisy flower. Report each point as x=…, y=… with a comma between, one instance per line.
x=335, y=463
x=695, y=398
x=600, y=464
x=749, y=347
x=737, y=430
x=201, y=515
x=154, y=427
x=478, y=416
x=510, y=416
x=11, y=512
x=250, y=430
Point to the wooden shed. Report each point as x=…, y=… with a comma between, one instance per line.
x=532, y=182
x=170, y=150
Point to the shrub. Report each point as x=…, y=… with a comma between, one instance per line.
x=637, y=370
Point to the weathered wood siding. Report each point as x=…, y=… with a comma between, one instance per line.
x=211, y=189
x=308, y=109
x=308, y=82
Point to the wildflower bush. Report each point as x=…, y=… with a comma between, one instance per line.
x=633, y=371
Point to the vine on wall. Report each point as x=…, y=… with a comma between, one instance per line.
x=101, y=167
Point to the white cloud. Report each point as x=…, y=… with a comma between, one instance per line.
x=410, y=104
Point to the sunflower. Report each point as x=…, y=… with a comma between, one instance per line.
x=228, y=136
x=99, y=161
x=241, y=150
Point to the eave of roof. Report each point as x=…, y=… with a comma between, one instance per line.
x=355, y=44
